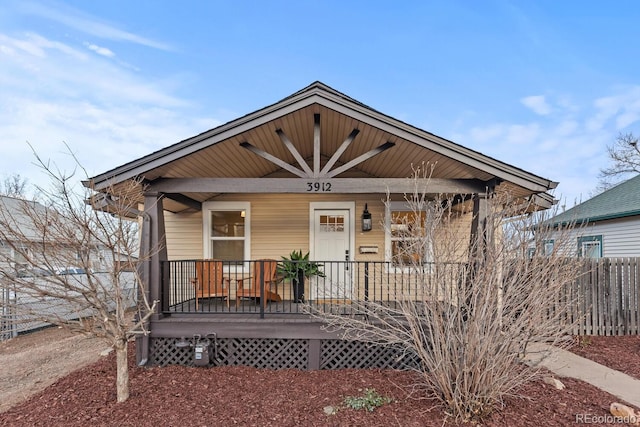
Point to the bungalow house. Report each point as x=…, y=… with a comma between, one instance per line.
x=310, y=174
x=606, y=225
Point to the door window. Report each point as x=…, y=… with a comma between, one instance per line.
x=331, y=223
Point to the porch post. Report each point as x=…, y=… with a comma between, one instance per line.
x=481, y=233
x=153, y=248
x=480, y=239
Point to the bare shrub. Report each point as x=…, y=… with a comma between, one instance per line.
x=478, y=302
x=69, y=263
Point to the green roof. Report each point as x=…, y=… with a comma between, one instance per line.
x=620, y=201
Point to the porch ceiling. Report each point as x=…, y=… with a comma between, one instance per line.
x=228, y=159
x=218, y=153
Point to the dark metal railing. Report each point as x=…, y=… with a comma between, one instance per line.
x=234, y=287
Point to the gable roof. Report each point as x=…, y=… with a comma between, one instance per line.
x=219, y=152
x=620, y=201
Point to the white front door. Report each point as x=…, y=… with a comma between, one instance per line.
x=332, y=244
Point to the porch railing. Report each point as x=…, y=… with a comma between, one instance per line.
x=340, y=284
x=603, y=300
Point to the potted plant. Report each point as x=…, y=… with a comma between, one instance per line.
x=296, y=267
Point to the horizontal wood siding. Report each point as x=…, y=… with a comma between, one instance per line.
x=184, y=235
x=620, y=238
x=280, y=222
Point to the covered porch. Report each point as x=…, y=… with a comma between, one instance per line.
x=311, y=173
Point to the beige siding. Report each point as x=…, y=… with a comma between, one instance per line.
x=280, y=224
x=184, y=235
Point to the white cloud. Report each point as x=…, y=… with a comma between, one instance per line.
x=87, y=24
x=100, y=50
x=53, y=93
x=568, y=146
x=537, y=104
x=522, y=135
x=34, y=45
x=52, y=68
x=566, y=127
x=621, y=109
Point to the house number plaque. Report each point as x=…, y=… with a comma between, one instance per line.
x=319, y=187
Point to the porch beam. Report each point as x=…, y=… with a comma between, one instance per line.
x=316, y=185
x=105, y=203
x=360, y=159
x=316, y=146
x=273, y=159
x=287, y=143
x=187, y=201
x=345, y=144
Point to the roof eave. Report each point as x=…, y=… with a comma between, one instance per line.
x=326, y=96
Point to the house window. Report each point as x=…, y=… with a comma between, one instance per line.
x=83, y=256
x=406, y=238
x=13, y=254
x=546, y=249
x=20, y=254
x=227, y=231
x=590, y=246
x=531, y=252
x=5, y=252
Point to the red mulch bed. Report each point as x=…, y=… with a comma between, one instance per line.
x=621, y=353
x=176, y=396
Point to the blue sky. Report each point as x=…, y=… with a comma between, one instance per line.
x=543, y=85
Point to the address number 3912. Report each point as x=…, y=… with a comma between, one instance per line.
x=319, y=187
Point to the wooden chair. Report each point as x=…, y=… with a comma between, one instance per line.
x=263, y=277
x=209, y=281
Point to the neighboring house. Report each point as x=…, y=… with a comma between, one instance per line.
x=311, y=173
x=13, y=211
x=27, y=254
x=605, y=226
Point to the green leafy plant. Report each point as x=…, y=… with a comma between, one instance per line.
x=370, y=400
x=290, y=267
x=295, y=268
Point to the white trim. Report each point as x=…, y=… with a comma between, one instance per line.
x=207, y=207
x=351, y=206
x=397, y=207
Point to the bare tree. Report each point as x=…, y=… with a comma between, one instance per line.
x=467, y=321
x=14, y=185
x=73, y=265
x=625, y=158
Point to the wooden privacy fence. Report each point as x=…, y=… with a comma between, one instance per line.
x=605, y=298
